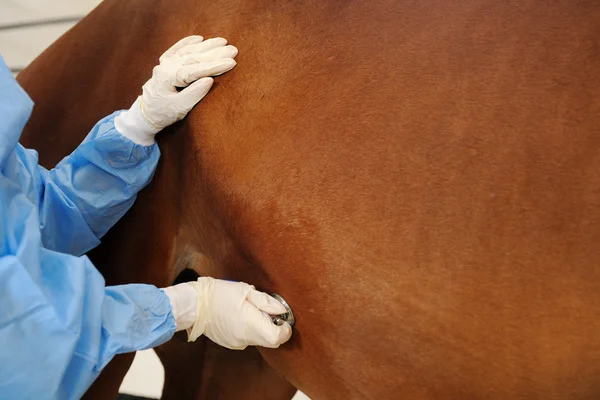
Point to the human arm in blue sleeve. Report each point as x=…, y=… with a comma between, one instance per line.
x=89, y=190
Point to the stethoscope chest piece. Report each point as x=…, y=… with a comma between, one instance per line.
x=287, y=317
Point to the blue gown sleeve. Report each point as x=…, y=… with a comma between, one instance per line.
x=59, y=324
x=88, y=191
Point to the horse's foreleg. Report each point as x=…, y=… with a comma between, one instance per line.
x=204, y=370
x=108, y=383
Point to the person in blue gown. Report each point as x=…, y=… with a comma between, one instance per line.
x=59, y=324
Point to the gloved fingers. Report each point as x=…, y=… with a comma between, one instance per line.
x=190, y=73
x=211, y=55
x=260, y=329
x=222, y=66
x=265, y=303
x=190, y=40
x=202, y=47
x=191, y=95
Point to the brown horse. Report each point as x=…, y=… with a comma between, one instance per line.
x=419, y=179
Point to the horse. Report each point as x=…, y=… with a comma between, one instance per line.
x=420, y=180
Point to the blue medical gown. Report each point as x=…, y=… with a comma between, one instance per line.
x=59, y=324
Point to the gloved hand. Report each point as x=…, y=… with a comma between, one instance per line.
x=228, y=313
x=191, y=61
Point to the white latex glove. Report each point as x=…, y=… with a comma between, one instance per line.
x=191, y=61
x=228, y=313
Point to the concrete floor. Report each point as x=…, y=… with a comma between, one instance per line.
x=27, y=27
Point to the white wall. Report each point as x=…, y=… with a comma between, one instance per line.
x=19, y=46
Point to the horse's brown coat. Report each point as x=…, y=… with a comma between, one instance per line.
x=419, y=179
